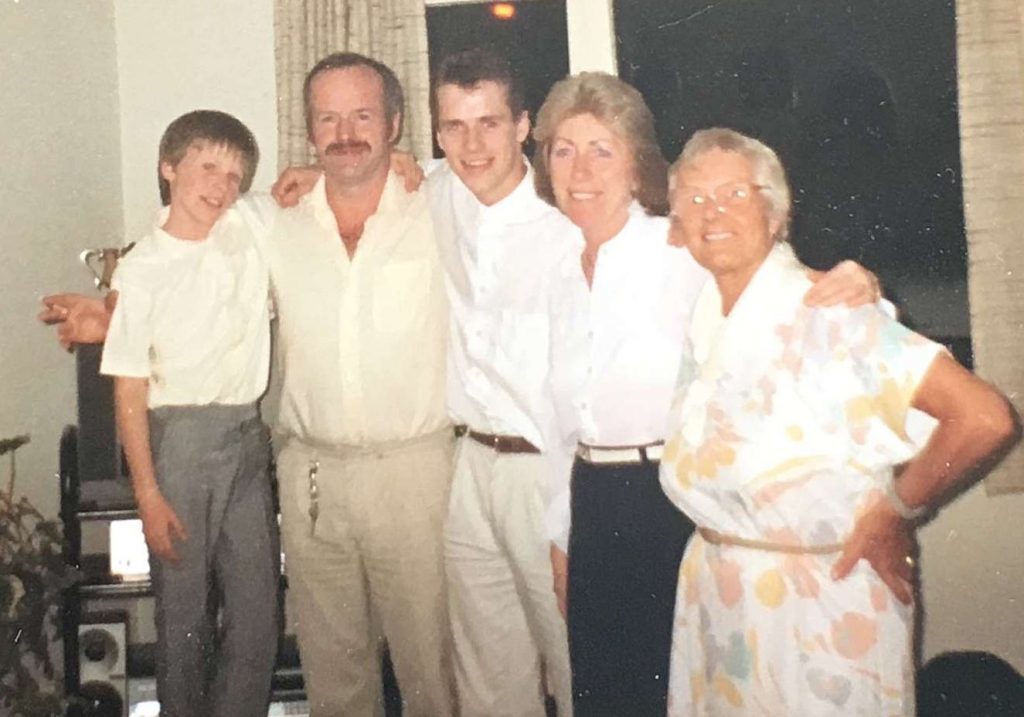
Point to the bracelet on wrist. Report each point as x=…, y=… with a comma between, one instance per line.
x=901, y=508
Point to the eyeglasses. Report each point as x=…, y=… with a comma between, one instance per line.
x=725, y=197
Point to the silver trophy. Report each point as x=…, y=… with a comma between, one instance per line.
x=102, y=262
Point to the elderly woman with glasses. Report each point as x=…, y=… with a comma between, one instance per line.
x=787, y=427
x=597, y=159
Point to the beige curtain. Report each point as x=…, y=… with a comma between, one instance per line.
x=392, y=31
x=990, y=49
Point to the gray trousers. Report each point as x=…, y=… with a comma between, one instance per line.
x=217, y=609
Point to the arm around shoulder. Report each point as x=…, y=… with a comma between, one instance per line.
x=80, y=319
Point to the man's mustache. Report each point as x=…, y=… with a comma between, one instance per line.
x=346, y=147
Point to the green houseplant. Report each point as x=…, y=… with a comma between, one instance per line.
x=32, y=575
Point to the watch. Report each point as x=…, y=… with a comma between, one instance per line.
x=904, y=510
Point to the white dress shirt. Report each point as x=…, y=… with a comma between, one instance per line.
x=517, y=296
x=641, y=299
x=192, y=316
x=361, y=340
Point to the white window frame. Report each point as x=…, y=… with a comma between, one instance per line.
x=591, y=31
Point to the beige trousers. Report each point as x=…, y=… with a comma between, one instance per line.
x=508, y=635
x=370, y=562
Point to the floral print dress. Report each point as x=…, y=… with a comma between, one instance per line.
x=786, y=424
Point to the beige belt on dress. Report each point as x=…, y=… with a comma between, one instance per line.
x=716, y=538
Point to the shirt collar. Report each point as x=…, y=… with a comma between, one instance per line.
x=522, y=203
x=174, y=244
x=393, y=200
x=634, y=223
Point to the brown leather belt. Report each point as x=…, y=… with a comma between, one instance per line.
x=503, y=444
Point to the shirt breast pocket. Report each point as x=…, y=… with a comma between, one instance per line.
x=401, y=294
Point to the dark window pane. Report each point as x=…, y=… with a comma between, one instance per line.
x=534, y=41
x=858, y=98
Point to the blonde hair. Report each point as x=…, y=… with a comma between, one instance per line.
x=622, y=109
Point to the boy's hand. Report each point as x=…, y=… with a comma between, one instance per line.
x=846, y=283
x=80, y=319
x=161, y=526
x=295, y=183
x=404, y=165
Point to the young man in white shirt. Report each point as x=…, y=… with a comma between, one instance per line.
x=189, y=348
x=516, y=297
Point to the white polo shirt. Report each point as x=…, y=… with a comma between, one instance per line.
x=192, y=316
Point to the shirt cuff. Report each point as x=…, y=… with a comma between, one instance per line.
x=120, y=366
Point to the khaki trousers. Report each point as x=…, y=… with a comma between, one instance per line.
x=508, y=635
x=370, y=562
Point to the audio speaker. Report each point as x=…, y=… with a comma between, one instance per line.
x=99, y=456
x=142, y=701
x=102, y=673
x=101, y=481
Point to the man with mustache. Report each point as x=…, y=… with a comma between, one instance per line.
x=366, y=461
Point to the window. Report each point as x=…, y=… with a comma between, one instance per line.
x=534, y=39
x=860, y=101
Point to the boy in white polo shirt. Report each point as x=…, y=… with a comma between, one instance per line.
x=188, y=347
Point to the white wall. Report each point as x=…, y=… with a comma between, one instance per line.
x=60, y=192
x=88, y=88
x=173, y=57
x=973, y=577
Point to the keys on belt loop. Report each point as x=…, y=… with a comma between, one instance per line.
x=314, y=494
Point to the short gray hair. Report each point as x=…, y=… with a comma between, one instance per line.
x=768, y=169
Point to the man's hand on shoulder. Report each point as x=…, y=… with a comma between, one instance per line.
x=846, y=283
x=405, y=166
x=80, y=319
x=296, y=182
